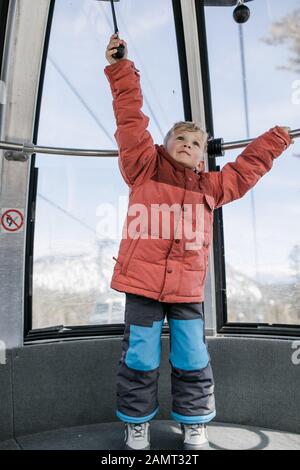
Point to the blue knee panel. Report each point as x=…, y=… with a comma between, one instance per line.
x=188, y=350
x=144, y=347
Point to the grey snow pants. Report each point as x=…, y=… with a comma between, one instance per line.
x=138, y=369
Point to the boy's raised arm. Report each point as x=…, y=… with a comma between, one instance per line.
x=236, y=178
x=137, y=152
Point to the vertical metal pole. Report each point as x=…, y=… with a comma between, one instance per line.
x=114, y=16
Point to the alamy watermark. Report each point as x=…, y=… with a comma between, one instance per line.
x=296, y=93
x=2, y=353
x=153, y=221
x=296, y=354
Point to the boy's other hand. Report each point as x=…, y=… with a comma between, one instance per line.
x=112, y=49
x=287, y=130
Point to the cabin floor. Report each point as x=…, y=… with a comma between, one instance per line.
x=165, y=435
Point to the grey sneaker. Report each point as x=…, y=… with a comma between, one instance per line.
x=137, y=436
x=195, y=436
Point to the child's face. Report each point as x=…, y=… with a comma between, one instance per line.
x=187, y=148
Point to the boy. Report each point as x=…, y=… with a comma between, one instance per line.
x=161, y=267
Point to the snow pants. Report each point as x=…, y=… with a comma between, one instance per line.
x=138, y=369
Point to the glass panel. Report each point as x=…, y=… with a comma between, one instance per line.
x=82, y=202
x=261, y=230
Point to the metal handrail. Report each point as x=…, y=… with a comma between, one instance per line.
x=243, y=143
x=217, y=147
x=12, y=147
x=21, y=152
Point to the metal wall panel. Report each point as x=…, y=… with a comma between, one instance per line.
x=21, y=71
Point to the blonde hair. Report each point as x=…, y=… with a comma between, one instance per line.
x=185, y=126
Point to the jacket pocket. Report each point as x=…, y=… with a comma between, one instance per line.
x=129, y=254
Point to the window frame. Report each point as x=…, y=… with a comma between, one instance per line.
x=84, y=331
x=3, y=25
x=223, y=326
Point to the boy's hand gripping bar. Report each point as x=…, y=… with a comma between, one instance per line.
x=121, y=48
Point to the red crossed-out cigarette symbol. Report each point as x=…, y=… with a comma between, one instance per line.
x=12, y=220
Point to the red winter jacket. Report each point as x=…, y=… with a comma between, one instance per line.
x=172, y=268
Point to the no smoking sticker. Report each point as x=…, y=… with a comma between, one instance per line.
x=11, y=220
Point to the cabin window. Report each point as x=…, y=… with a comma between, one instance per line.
x=82, y=201
x=254, y=76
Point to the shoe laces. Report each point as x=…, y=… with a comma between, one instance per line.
x=196, y=429
x=138, y=430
